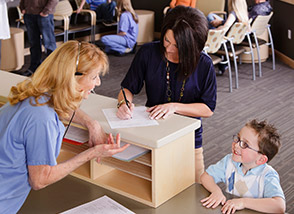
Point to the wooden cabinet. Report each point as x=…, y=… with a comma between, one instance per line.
x=153, y=178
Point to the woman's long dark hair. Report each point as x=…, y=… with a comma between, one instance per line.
x=190, y=29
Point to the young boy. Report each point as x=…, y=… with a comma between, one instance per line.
x=246, y=172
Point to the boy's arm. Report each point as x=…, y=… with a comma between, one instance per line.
x=216, y=197
x=264, y=205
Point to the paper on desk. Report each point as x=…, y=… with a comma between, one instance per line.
x=130, y=153
x=76, y=134
x=140, y=118
x=103, y=205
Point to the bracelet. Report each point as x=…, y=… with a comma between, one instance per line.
x=120, y=103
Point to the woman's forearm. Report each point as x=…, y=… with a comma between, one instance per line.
x=193, y=109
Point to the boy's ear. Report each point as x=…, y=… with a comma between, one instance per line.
x=262, y=159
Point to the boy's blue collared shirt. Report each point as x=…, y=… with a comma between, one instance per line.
x=270, y=181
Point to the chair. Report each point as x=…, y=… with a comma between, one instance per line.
x=215, y=40
x=63, y=12
x=258, y=27
x=20, y=17
x=212, y=6
x=235, y=36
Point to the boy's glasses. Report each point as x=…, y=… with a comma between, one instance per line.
x=243, y=144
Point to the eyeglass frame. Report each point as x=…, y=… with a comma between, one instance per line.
x=237, y=139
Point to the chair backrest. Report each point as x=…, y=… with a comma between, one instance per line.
x=63, y=8
x=207, y=6
x=238, y=32
x=214, y=40
x=260, y=23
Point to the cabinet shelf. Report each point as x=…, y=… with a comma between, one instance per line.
x=125, y=183
x=140, y=167
x=144, y=159
x=132, y=184
x=133, y=168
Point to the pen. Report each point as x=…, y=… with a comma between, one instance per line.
x=126, y=100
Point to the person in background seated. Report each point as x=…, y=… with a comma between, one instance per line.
x=246, y=173
x=261, y=7
x=178, y=76
x=105, y=10
x=31, y=128
x=187, y=3
x=237, y=13
x=174, y=3
x=125, y=40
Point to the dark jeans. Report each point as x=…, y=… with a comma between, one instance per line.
x=105, y=11
x=36, y=26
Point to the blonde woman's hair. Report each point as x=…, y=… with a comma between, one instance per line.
x=126, y=5
x=240, y=8
x=55, y=77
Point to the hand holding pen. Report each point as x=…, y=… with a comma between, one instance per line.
x=125, y=107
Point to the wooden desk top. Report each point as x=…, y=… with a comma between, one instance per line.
x=71, y=192
x=151, y=136
x=168, y=130
x=7, y=80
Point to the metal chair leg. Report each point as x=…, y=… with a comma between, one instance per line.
x=258, y=54
x=235, y=64
x=272, y=47
x=252, y=57
x=230, y=71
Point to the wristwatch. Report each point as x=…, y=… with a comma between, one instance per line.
x=120, y=103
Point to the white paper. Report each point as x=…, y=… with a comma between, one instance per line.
x=77, y=134
x=140, y=118
x=130, y=153
x=103, y=205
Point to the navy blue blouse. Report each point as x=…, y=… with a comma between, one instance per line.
x=149, y=68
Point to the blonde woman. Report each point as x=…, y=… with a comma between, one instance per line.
x=31, y=130
x=125, y=40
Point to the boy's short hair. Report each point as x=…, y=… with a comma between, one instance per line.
x=268, y=137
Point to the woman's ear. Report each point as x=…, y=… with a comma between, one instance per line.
x=262, y=159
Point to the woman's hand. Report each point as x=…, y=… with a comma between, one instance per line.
x=107, y=150
x=232, y=205
x=161, y=111
x=216, y=198
x=96, y=134
x=124, y=112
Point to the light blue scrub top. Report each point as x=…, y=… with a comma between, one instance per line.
x=128, y=25
x=271, y=181
x=29, y=135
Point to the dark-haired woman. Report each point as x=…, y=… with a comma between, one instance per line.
x=178, y=76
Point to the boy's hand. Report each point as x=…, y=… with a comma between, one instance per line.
x=216, y=198
x=232, y=205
